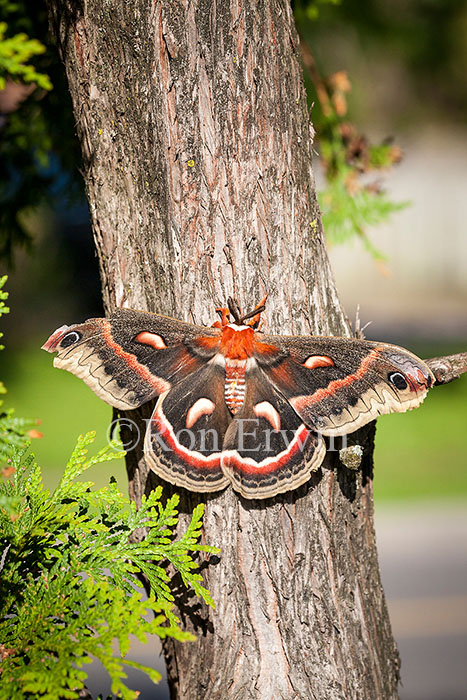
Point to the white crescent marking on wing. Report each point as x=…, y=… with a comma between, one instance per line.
x=314, y=361
x=152, y=339
x=267, y=410
x=200, y=408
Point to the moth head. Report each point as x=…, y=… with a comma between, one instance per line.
x=252, y=318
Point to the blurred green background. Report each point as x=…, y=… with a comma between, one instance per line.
x=406, y=64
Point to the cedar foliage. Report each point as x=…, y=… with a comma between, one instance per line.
x=70, y=576
x=15, y=53
x=13, y=430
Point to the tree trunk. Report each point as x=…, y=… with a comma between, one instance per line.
x=197, y=150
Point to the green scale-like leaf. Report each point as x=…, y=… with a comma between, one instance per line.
x=69, y=576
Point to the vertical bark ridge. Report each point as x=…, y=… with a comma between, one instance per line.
x=197, y=151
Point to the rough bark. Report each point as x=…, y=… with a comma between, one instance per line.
x=449, y=367
x=197, y=151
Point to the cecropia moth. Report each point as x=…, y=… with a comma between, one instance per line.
x=234, y=405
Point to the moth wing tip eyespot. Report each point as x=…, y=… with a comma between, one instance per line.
x=52, y=341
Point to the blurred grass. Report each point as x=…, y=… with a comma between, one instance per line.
x=419, y=455
x=65, y=406
x=423, y=453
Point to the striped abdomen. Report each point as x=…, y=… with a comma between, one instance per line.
x=234, y=389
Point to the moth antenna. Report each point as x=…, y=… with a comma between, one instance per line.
x=256, y=312
x=362, y=331
x=234, y=310
x=255, y=315
x=358, y=329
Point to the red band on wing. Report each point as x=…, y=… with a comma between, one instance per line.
x=267, y=349
x=208, y=342
x=232, y=460
x=161, y=425
x=160, y=385
x=301, y=402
